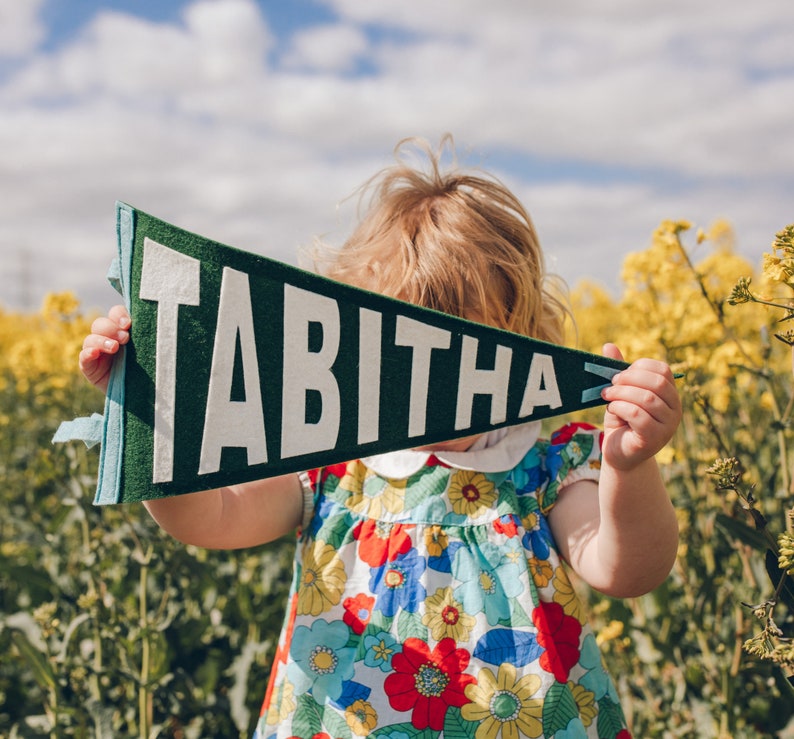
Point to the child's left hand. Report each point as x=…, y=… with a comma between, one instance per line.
x=643, y=413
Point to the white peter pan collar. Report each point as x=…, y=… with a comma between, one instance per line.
x=496, y=451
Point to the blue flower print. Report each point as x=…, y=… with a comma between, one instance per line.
x=488, y=581
x=530, y=475
x=396, y=584
x=555, y=460
x=443, y=562
x=380, y=649
x=596, y=679
x=537, y=538
x=322, y=662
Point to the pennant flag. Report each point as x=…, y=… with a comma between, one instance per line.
x=240, y=367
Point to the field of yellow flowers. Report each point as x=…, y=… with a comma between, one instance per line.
x=108, y=628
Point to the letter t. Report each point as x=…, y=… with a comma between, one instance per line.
x=170, y=279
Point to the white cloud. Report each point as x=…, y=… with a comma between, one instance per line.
x=20, y=28
x=217, y=125
x=333, y=48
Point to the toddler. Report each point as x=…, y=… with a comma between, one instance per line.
x=429, y=595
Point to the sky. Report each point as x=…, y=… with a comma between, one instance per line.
x=252, y=122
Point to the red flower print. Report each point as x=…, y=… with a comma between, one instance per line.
x=506, y=525
x=321, y=474
x=566, y=433
x=428, y=683
x=282, y=651
x=559, y=635
x=624, y=734
x=358, y=611
x=379, y=542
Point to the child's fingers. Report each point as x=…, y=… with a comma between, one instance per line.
x=120, y=315
x=654, y=378
x=626, y=401
x=611, y=350
x=640, y=419
x=98, y=344
x=107, y=328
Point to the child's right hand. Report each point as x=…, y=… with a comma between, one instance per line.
x=101, y=345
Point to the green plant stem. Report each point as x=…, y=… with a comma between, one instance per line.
x=143, y=686
x=715, y=307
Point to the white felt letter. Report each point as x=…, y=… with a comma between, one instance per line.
x=227, y=422
x=541, y=385
x=423, y=339
x=475, y=381
x=369, y=340
x=170, y=279
x=306, y=370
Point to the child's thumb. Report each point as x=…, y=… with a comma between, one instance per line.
x=611, y=351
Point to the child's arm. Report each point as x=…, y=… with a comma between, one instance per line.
x=623, y=539
x=237, y=516
x=226, y=518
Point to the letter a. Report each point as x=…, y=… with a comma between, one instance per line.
x=541, y=386
x=233, y=423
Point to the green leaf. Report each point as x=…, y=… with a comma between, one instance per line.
x=776, y=575
x=559, y=707
x=518, y=616
x=408, y=729
x=308, y=713
x=584, y=442
x=610, y=719
x=432, y=483
x=733, y=528
x=410, y=625
x=456, y=727
x=335, y=530
x=39, y=664
x=335, y=725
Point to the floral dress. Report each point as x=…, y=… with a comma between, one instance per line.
x=435, y=605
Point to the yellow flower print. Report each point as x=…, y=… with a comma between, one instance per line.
x=585, y=702
x=353, y=480
x=530, y=521
x=503, y=704
x=322, y=580
x=471, y=493
x=541, y=571
x=361, y=717
x=566, y=596
x=445, y=617
x=436, y=541
x=513, y=556
x=393, y=496
x=370, y=496
x=281, y=708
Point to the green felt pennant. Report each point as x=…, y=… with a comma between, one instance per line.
x=240, y=367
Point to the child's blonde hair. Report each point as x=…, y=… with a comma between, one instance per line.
x=456, y=242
